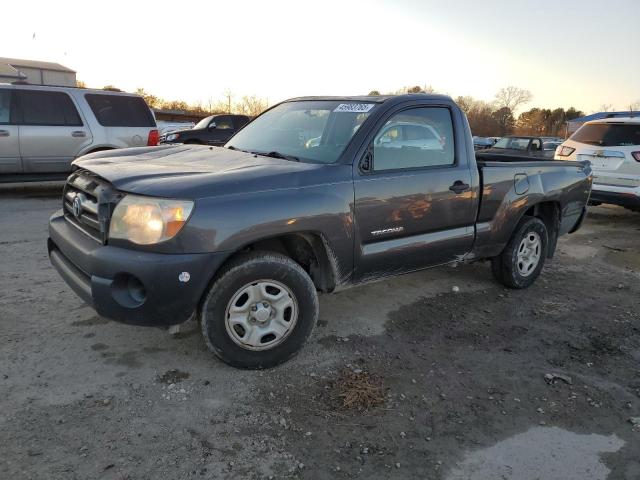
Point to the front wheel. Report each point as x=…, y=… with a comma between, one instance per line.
x=259, y=311
x=521, y=261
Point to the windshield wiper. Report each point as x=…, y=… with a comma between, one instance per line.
x=275, y=154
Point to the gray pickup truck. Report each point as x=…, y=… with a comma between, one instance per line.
x=316, y=194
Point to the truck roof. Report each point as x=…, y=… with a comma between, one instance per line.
x=629, y=119
x=374, y=98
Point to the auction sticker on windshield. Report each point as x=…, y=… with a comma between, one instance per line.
x=354, y=107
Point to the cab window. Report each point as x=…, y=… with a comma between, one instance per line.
x=414, y=138
x=222, y=123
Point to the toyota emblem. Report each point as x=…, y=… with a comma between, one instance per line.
x=77, y=206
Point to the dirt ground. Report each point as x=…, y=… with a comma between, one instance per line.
x=456, y=381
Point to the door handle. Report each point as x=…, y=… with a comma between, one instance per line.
x=78, y=133
x=459, y=186
x=4, y=133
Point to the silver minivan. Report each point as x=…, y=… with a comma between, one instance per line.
x=43, y=129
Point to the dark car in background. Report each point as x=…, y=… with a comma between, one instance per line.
x=213, y=130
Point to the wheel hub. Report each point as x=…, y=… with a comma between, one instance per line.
x=261, y=315
x=529, y=253
x=261, y=312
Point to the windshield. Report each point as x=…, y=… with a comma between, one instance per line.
x=204, y=123
x=512, y=143
x=314, y=131
x=609, y=134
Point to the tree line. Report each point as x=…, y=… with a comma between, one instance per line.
x=251, y=105
x=498, y=117
x=495, y=118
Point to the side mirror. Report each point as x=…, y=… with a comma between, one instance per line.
x=366, y=163
x=212, y=126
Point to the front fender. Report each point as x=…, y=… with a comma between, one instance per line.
x=228, y=223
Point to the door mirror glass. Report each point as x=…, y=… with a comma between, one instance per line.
x=212, y=126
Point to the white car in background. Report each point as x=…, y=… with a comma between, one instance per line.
x=407, y=134
x=44, y=128
x=612, y=145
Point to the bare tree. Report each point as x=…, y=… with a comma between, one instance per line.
x=635, y=106
x=152, y=100
x=512, y=97
x=606, y=107
x=251, y=105
x=415, y=89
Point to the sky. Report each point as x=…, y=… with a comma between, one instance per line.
x=581, y=53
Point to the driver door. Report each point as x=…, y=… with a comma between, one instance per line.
x=220, y=130
x=9, y=140
x=415, y=203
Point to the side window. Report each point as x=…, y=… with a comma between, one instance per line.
x=120, y=110
x=223, y=123
x=5, y=106
x=48, y=108
x=240, y=122
x=414, y=138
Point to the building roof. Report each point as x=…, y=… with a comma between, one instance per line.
x=599, y=116
x=7, y=70
x=18, y=62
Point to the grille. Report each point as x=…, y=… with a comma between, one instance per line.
x=87, y=202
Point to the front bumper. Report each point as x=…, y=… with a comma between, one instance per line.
x=130, y=286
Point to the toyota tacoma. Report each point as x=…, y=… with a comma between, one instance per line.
x=315, y=195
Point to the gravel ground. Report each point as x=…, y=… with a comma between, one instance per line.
x=456, y=380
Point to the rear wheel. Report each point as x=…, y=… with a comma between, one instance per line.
x=521, y=262
x=259, y=311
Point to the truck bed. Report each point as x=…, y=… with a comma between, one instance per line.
x=511, y=183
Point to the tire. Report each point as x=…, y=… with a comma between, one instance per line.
x=518, y=266
x=241, y=334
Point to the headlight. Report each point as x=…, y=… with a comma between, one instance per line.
x=564, y=151
x=172, y=136
x=147, y=220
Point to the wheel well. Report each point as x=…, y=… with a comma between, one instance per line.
x=309, y=250
x=549, y=213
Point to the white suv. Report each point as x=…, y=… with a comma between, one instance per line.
x=612, y=146
x=43, y=129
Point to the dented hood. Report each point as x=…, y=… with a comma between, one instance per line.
x=196, y=171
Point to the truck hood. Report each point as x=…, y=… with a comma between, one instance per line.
x=197, y=171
